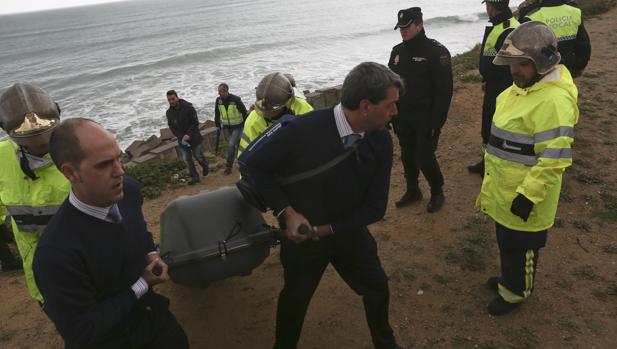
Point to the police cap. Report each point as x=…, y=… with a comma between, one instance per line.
x=408, y=16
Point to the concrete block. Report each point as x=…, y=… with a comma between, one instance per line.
x=153, y=142
x=166, y=134
x=134, y=149
x=166, y=151
x=146, y=158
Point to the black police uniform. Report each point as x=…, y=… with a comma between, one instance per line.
x=425, y=66
x=497, y=78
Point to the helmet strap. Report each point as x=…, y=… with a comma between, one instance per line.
x=25, y=165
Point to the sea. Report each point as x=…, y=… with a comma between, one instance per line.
x=114, y=62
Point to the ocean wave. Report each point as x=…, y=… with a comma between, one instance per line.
x=459, y=19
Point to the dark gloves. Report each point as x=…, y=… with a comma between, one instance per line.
x=5, y=233
x=521, y=206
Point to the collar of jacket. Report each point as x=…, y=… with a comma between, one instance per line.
x=552, y=3
x=554, y=76
x=421, y=36
x=502, y=17
x=181, y=104
x=35, y=162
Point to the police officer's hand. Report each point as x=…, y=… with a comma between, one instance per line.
x=293, y=221
x=186, y=138
x=156, y=272
x=521, y=206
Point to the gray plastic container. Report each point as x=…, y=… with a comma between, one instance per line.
x=212, y=236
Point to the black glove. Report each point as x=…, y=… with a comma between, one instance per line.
x=5, y=234
x=521, y=206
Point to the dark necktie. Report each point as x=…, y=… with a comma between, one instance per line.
x=350, y=140
x=114, y=214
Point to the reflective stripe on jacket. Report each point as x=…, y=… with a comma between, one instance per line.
x=256, y=124
x=490, y=46
x=529, y=149
x=30, y=203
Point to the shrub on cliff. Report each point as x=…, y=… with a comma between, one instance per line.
x=156, y=177
x=465, y=65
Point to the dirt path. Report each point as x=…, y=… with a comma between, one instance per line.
x=437, y=263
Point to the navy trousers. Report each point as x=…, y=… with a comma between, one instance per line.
x=356, y=261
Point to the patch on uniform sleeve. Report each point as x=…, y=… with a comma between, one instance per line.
x=444, y=60
x=397, y=59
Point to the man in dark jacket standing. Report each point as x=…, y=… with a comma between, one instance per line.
x=183, y=122
x=230, y=113
x=495, y=78
x=425, y=66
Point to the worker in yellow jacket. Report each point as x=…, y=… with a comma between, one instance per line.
x=528, y=150
x=274, y=98
x=31, y=187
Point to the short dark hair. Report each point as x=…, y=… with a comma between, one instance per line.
x=64, y=144
x=172, y=93
x=370, y=81
x=224, y=85
x=501, y=6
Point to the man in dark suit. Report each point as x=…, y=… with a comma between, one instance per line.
x=337, y=203
x=96, y=263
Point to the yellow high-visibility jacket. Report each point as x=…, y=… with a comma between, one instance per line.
x=256, y=124
x=529, y=149
x=30, y=203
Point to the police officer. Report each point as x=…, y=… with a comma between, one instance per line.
x=31, y=187
x=425, y=66
x=566, y=21
x=528, y=150
x=274, y=98
x=529, y=5
x=230, y=113
x=495, y=78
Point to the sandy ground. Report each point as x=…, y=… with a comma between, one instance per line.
x=437, y=263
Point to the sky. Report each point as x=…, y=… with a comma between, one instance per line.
x=17, y=6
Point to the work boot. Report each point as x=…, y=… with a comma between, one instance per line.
x=227, y=171
x=477, y=168
x=410, y=196
x=205, y=171
x=493, y=283
x=435, y=203
x=499, y=306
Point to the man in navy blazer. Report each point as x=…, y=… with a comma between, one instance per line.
x=337, y=203
x=95, y=263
